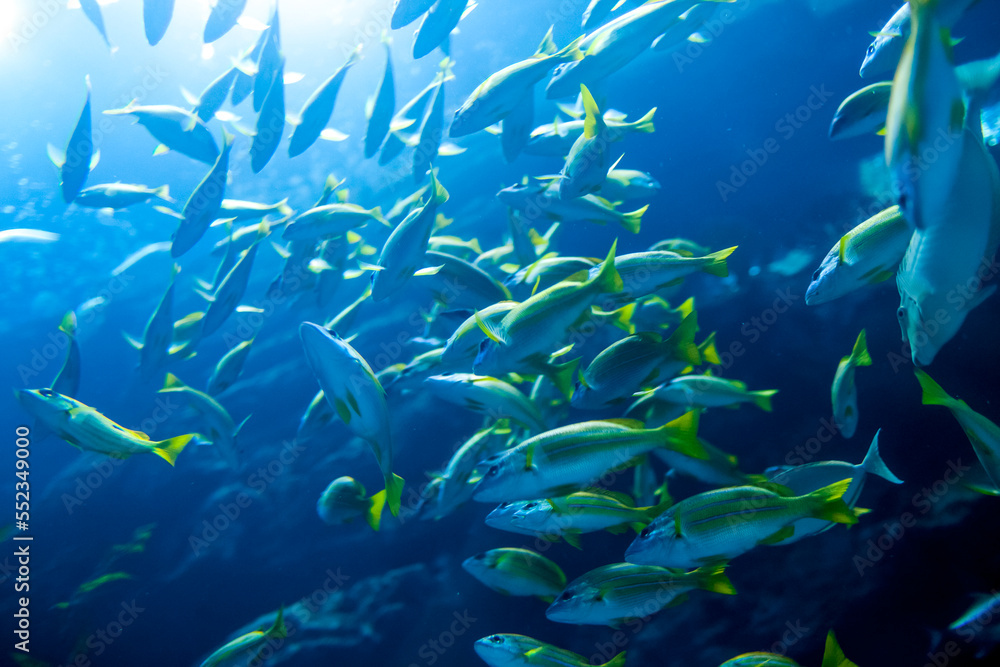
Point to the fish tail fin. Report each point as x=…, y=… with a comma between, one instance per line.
x=171, y=448
x=622, y=318
x=633, y=219
x=377, y=214
x=645, y=124
x=593, y=120
x=833, y=655
x=163, y=192
x=762, y=398
x=374, y=513
x=828, y=503
x=548, y=45
x=439, y=194
x=934, y=394
x=718, y=266
x=708, y=350
x=561, y=375
x=283, y=208
x=681, y=435
x=68, y=323
x=394, y=492
x=171, y=381
x=860, y=354
x=278, y=630
x=607, y=280
x=713, y=579
x=570, y=52
x=681, y=341
x=873, y=463
x=617, y=661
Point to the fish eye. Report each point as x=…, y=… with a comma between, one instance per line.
x=46, y=393
x=480, y=556
x=566, y=595
x=871, y=49
x=530, y=506
x=493, y=471
x=817, y=274
x=495, y=639
x=901, y=312
x=646, y=532
x=504, y=505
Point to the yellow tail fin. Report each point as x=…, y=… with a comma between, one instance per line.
x=169, y=449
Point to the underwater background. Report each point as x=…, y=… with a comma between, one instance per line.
x=399, y=596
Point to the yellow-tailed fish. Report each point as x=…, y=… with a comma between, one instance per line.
x=86, y=428
x=536, y=198
x=351, y=388
x=718, y=526
x=457, y=482
x=120, y=195
x=344, y=500
x=202, y=207
x=80, y=148
x=316, y=111
x=868, y=254
x=509, y=650
x=248, y=647
x=709, y=391
x=863, y=112
x=176, y=129
x=884, y=52
x=622, y=184
x=240, y=210
x=646, y=272
x=586, y=166
x=380, y=108
x=983, y=434
x=613, y=594
x=228, y=293
x=833, y=656
x=330, y=220
x=555, y=139
x=520, y=572
x=154, y=348
x=222, y=430
x=568, y=458
x=492, y=397
x=228, y=368
x=844, y=393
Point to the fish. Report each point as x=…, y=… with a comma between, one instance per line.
x=352, y=390
x=344, y=500
x=330, y=220
x=870, y=253
x=545, y=272
x=458, y=284
x=405, y=12
x=215, y=94
x=92, y=10
x=27, y=236
x=613, y=594
x=204, y=204
x=403, y=252
x=75, y=164
x=615, y=44
x=503, y=91
x=463, y=344
x=456, y=483
x=577, y=513
x=979, y=614
x=229, y=291
x=926, y=111
x=156, y=16
x=432, y=128
x=717, y=526
x=535, y=199
x=532, y=327
x=494, y=398
x=625, y=366
x=515, y=128
x=382, y=106
x=707, y=391
x=519, y=572
x=833, y=656
x=229, y=368
x=844, y=393
x=175, y=128
x=222, y=18
x=863, y=112
x=597, y=10
x=316, y=417
x=622, y=184
x=719, y=469
x=507, y=650
x=564, y=459
x=240, y=211
x=644, y=273
x=270, y=121
x=120, y=195
x=246, y=66
x=941, y=262
x=807, y=477
x=252, y=643
x=983, y=434
x=85, y=428
x=223, y=431
x=586, y=166
x=318, y=108
x=556, y=139
x=884, y=53
x=437, y=24
x=154, y=348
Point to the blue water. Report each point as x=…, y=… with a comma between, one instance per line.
x=400, y=595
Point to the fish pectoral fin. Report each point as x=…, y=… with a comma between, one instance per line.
x=780, y=536
x=342, y=410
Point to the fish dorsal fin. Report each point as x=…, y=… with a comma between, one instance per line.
x=590, y=123
x=547, y=47
x=485, y=328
